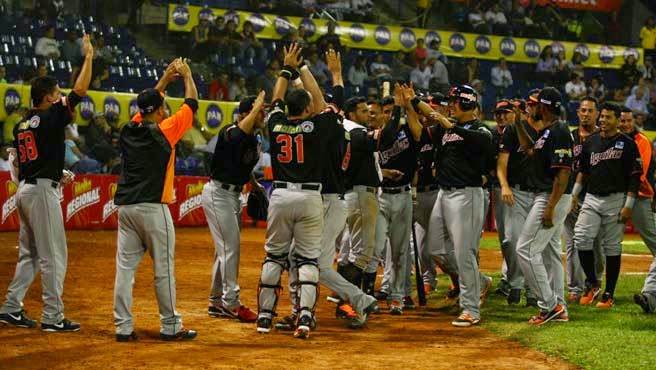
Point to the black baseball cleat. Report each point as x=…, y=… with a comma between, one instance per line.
x=514, y=297
x=531, y=302
x=181, y=335
x=362, y=318
x=381, y=295
x=18, y=319
x=132, y=337
x=642, y=301
x=303, y=326
x=409, y=303
x=263, y=325
x=63, y=326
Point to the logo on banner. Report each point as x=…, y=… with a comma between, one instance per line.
x=407, y=38
x=206, y=14
x=557, y=47
x=584, y=50
x=111, y=107
x=214, y=116
x=607, y=53
x=282, y=25
x=309, y=26
x=12, y=100
x=87, y=107
x=627, y=52
x=432, y=36
x=508, y=47
x=482, y=44
x=382, y=35
x=110, y=208
x=231, y=16
x=258, y=22
x=84, y=195
x=357, y=32
x=457, y=42
x=133, y=108
x=180, y=15
x=9, y=206
x=193, y=201
x=532, y=49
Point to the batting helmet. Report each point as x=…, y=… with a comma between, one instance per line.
x=465, y=95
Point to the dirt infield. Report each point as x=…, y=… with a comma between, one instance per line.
x=419, y=339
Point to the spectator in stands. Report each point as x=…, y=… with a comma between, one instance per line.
x=439, y=76
x=238, y=88
x=197, y=136
x=379, y=69
x=575, y=88
x=434, y=52
x=357, y=73
x=574, y=27
x=74, y=159
x=219, y=88
x=5, y=165
x=637, y=102
x=546, y=67
x=265, y=81
x=319, y=68
x=102, y=52
x=3, y=75
x=71, y=48
x=501, y=77
x=187, y=161
x=16, y=114
x=472, y=70
x=422, y=12
x=597, y=89
x=517, y=19
x=648, y=70
x=98, y=138
x=621, y=94
x=480, y=90
x=476, y=20
x=233, y=37
x=251, y=47
x=399, y=65
x=420, y=52
x=629, y=71
x=47, y=46
x=330, y=40
x=648, y=37
x=497, y=19
x=201, y=38
x=642, y=83
x=421, y=75
x=563, y=72
x=41, y=71
x=100, y=78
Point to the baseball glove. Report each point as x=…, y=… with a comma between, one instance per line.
x=257, y=205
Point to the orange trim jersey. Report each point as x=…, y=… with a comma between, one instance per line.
x=148, y=157
x=647, y=176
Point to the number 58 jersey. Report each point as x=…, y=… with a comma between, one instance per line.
x=39, y=139
x=299, y=147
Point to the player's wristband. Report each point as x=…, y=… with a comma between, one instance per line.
x=291, y=70
x=630, y=202
x=576, y=190
x=415, y=102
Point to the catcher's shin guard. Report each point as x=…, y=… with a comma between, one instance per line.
x=269, y=289
x=308, y=287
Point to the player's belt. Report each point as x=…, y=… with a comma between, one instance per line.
x=228, y=187
x=366, y=189
x=604, y=194
x=396, y=190
x=52, y=183
x=454, y=188
x=525, y=188
x=426, y=189
x=288, y=185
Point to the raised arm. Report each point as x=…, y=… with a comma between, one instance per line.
x=248, y=122
x=190, y=85
x=292, y=60
x=311, y=85
x=169, y=76
x=408, y=93
x=525, y=140
x=84, y=78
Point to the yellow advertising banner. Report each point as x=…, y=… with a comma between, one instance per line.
x=183, y=18
x=212, y=114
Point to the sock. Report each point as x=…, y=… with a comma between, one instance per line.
x=588, y=264
x=612, y=273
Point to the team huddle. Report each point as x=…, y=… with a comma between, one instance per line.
x=355, y=182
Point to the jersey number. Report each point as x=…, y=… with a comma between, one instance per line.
x=286, y=154
x=27, y=147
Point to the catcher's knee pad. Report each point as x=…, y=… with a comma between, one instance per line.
x=308, y=275
x=270, y=280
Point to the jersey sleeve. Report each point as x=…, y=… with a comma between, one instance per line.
x=633, y=166
x=63, y=109
x=232, y=133
x=508, y=142
x=277, y=113
x=175, y=126
x=432, y=135
x=583, y=159
x=561, y=156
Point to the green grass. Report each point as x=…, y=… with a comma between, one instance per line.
x=632, y=244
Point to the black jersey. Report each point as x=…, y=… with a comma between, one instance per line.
x=298, y=146
x=462, y=153
x=518, y=161
x=577, y=149
x=336, y=161
x=613, y=165
x=492, y=180
x=552, y=152
x=234, y=156
x=39, y=139
x=400, y=155
x=426, y=165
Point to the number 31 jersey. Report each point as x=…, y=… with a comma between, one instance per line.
x=39, y=140
x=299, y=147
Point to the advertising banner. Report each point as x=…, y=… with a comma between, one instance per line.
x=592, y=5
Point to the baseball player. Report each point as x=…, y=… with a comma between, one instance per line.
x=643, y=211
x=611, y=166
x=588, y=113
x=145, y=188
x=232, y=164
x=298, y=142
x=549, y=169
x=463, y=150
x=39, y=142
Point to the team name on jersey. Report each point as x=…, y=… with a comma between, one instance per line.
x=611, y=153
x=451, y=137
x=426, y=148
x=305, y=127
x=578, y=148
x=396, y=149
x=542, y=140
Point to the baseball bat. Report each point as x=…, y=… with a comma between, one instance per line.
x=419, y=279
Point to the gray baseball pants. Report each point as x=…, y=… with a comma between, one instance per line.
x=425, y=203
x=42, y=247
x=599, y=217
x=141, y=227
x=644, y=221
x=362, y=208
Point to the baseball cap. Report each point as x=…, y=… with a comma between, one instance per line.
x=533, y=96
x=149, y=101
x=550, y=96
x=246, y=104
x=519, y=103
x=503, y=105
x=438, y=99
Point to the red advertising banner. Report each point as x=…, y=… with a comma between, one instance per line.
x=592, y=5
x=9, y=217
x=188, y=209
